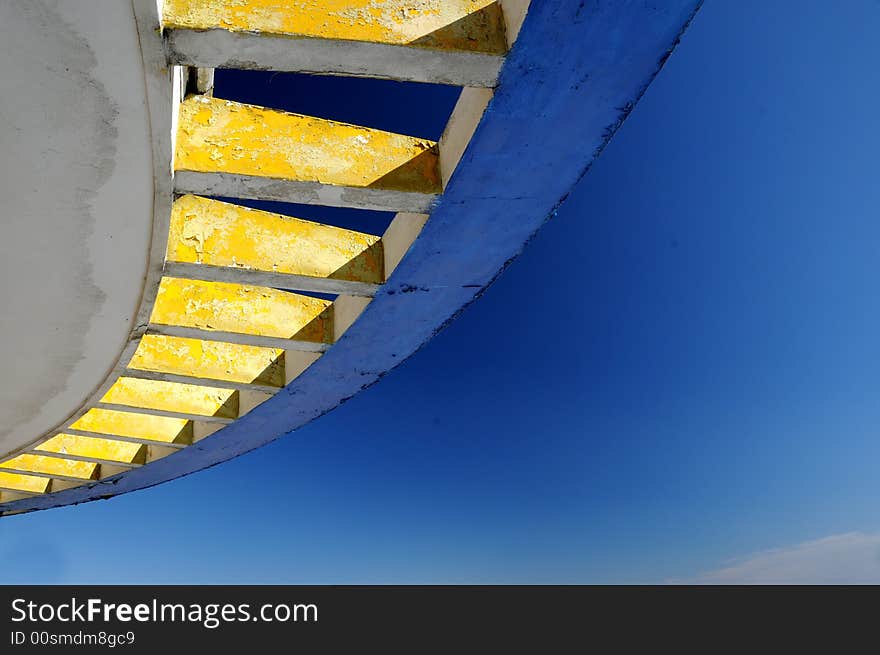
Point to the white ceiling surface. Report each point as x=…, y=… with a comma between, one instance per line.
x=76, y=185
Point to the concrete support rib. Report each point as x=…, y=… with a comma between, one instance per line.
x=179, y=378
x=168, y=398
x=460, y=42
x=24, y=483
x=160, y=429
x=214, y=360
x=236, y=150
x=240, y=338
x=221, y=242
x=41, y=465
x=581, y=68
x=142, y=441
x=253, y=276
x=54, y=479
x=89, y=448
x=94, y=460
x=166, y=413
x=242, y=309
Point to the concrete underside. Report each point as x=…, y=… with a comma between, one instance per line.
x=77, y=204
x=572, y=79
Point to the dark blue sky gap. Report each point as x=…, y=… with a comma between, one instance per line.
x=680, y=369
x=411, y=108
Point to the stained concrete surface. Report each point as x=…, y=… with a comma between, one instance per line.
x=76, y=185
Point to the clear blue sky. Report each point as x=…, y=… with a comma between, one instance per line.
x=683, y=367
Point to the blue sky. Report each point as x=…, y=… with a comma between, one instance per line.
x=678, y=380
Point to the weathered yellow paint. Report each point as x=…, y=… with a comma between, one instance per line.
x=205, y=231
x=51, y=466
x=115, y=451
x=242, y=309
x=210, y=359
x=472, y=25
x=142, y=426
x=173, y=397
x=220, y=136
x=24, y=482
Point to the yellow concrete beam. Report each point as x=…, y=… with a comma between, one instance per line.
x=173, y=397
x=219, y=234
x=322, y=161
x=210, y=360
x=460, y=42
x=472, y=25
x=205, y=231
x=19, y=482
x=51, y=466
x=93, y=447
x=243, y=309
x=141, y=426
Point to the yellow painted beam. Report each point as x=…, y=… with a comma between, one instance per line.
x=51, y=466
x=19, y=482
x=173, y=397
x=220, y=136
x=215, y=233
x=109, y=449
x=141, y=426
x=470, y=25
x=242, y=309
x=209, y=359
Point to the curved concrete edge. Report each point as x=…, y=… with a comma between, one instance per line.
x=160, y=84
x=570, y=82
x=77, y=211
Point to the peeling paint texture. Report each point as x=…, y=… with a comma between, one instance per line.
x=472, y=25
x=205, y=231
x=210, y=359
x=220, y=136
x=243, y=309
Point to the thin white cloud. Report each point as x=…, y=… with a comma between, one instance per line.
x=851, y=558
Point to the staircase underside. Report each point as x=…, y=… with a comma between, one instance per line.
x=230, y=347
